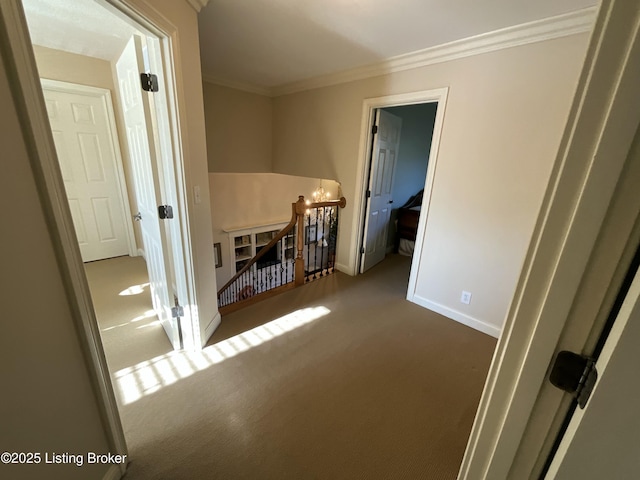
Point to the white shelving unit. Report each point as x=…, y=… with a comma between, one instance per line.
x=246, y=242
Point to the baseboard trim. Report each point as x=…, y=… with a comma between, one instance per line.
x=213, y=324
x=141, y=253
x=114, y=473
x=457, y=316
x=341, y=267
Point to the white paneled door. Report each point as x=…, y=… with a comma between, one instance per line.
x=142, y=152
x=383, y=162
x=85, y=143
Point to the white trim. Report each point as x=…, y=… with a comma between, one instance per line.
x=20, y=64
x=161, y=27
x=280, y=224
x=341, y=267
x=603, y=119
x=572, y=23
x=210, y=328
x=114, y=473
x=438, y=96
x=198, y=5
x=242, y=86
x=141, y=254
x=105, y=95
x=459, y=317
x=31, y=106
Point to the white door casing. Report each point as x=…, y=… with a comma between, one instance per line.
x=172, y=174
x=28, y=94
x=604, y=432
x=369, y=107
x=383, y=165
x=84, y=132
x=587, y=175
x=142, y=152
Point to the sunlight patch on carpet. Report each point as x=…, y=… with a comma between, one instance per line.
x=134, y=290
x=144, y=316
x=133, y=383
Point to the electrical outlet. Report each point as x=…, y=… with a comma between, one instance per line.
x=465, y=297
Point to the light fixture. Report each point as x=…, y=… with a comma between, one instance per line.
x=319, y=195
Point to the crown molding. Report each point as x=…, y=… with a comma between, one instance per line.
x=245, y=87
x=198, y=4
x=563, y=25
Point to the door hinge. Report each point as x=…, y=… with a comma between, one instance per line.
x=374, y=129
x=361, y=250
x=368, y=193
x=149, y=82
x=165, y=211
x=575, y=374
x=177, y=311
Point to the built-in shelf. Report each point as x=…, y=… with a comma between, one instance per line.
x=247, y=242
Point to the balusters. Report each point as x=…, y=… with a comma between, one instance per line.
x=324, y=222
x=286, y=260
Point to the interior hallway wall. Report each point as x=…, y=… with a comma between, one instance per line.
x=503, y=121
x=48, y=403
x=239, y=130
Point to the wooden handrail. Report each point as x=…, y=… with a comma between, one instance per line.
x=298, y=210
x=264, y=249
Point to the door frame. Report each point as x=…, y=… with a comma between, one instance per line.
x=439, y=96
x=574, y=217
x=150, y=23
x=146, y=17
x=24, y=77
x=105, y=96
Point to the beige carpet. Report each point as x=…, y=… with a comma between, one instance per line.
x=122, y=301
x=347, y=381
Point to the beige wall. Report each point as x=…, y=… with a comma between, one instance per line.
x=502, y=127
x=239, y=133
x=47, y=400
x=74, y=68
x=246, y=200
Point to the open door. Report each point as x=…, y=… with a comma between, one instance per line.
x=386, y=140
x=143, y=154
x=87, y=147
x=603, y=440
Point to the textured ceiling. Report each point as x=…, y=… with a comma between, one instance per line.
x=269, y=43
x=77, y=26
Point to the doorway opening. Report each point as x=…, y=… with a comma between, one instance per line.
x=109, y=90
x=393, y=166
x=119, y=154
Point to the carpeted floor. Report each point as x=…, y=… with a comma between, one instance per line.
x=346, y=380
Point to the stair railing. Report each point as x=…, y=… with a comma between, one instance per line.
x=289, y=259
